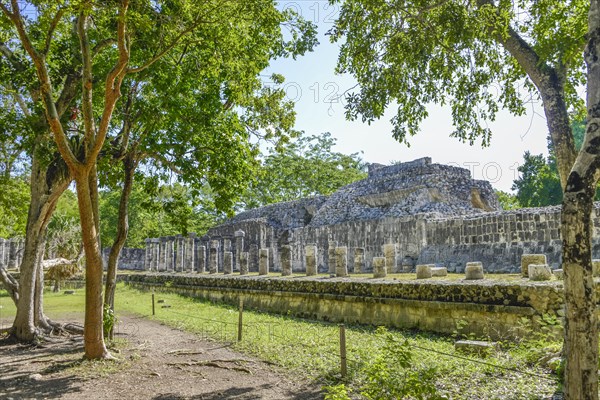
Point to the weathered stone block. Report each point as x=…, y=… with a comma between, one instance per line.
x=331, y=261
x=286, y=260
x=439, y=271
x=263, y=261
x=424, y=271
x=311, y=260
x=213, y=258
x=244, y=257
x=558, y=274
x=359, y=260
x=474, y=270
x=341, y=256
x=539, y=272
x=379, y=270
x=527, y=259
x=227, y=262
x=389, y=252
x=596, y=268
x=477, y=347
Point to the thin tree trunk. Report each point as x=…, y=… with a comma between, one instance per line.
x=10, y=284
x=122, y=230
x=93, y=328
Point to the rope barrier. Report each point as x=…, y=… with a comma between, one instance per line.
x=271, y=325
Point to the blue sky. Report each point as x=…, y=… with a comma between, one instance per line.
x=316, y=90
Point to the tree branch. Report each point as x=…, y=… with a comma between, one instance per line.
x=51, y=30
x=112, y=89
x=87, y=81
x=45, y=86
x=168, y=48
x=102, y=45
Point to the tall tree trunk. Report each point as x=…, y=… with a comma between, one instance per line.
x=581, y=333
x=129, y=165
x=581, y=323
x=47, y=185
x=93, y=333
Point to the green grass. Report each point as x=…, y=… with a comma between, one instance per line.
x=311, y=349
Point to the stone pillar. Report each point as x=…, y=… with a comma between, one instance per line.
x=227, y=262
x=311, y=260
x=244, y=256
x=359, y=260
x=201, y=253
x=379, y=270
x=155, y=254
x=286, y=260
x=239, y=248
x=12, y=253
x=189, y=252
x=213, y=261
x=263, y=261
x=341, y=256
x=170, y=256
x=162, y=263
x=20, y=251
x=331, y=260
x=6, y=251
x=2, y=265
x=180, y=260
x=148, y=255
x=389, y=252
x=253, y=258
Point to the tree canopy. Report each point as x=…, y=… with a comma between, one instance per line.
x=304, y=168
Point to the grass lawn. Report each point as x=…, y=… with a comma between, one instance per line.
x=311, y=348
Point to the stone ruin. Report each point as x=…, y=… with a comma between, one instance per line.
x=11, y=253
x=410, y=213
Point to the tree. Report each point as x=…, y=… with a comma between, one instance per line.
x=26, y=131
x=508, y=201
x=202, y=129
x=538, y=184
x=123, y=40
x=414, y=52
x=304, y=168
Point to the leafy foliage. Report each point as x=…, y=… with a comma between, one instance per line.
x=304, y=168
x=392, y=373
x=410, y=53
x=539, y=184
x=508, y=201
x=14, y=199
x=155, y=212
x=64, y=235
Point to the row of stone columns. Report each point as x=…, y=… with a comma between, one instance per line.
x=174, y=253
x=11, y=253
x=192, y=254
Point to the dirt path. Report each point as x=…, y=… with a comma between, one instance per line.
x=158, y=362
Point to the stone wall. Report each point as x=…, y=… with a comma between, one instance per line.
x=11, y=253
x=489, y=307
x=425, y=213
x=130, y=259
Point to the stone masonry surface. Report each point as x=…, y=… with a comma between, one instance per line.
x=429, y=213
